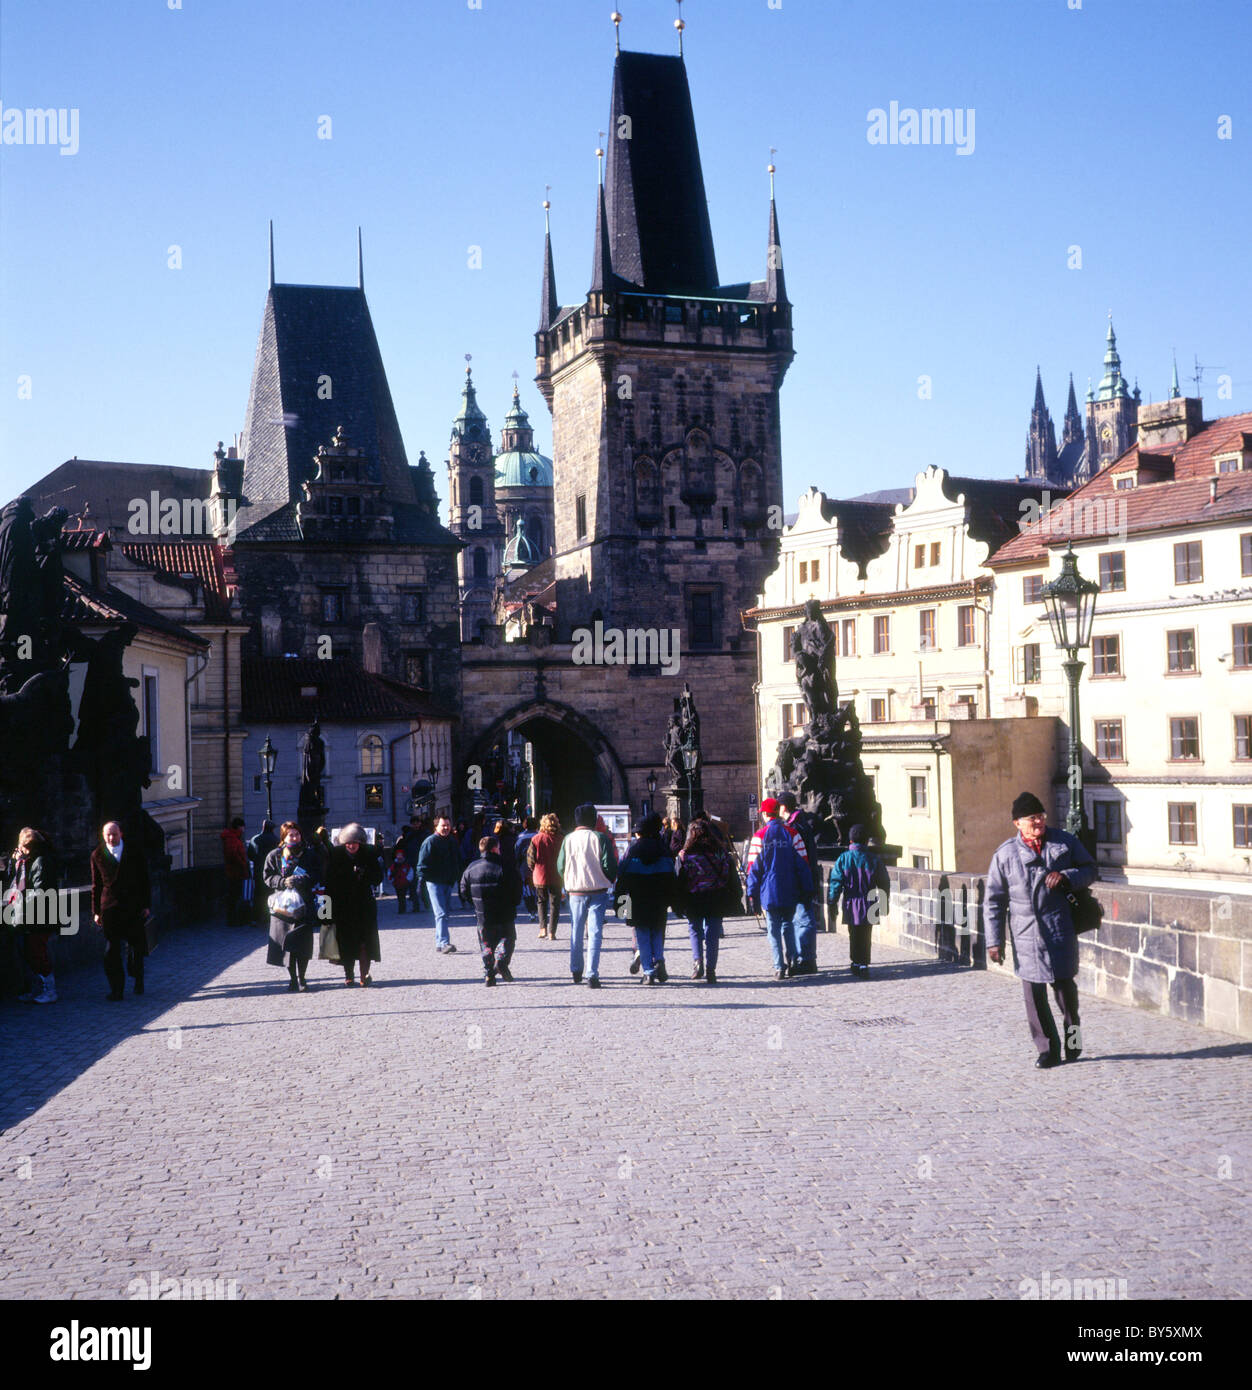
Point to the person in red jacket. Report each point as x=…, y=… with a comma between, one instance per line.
x=541, y=859
x=235, y=858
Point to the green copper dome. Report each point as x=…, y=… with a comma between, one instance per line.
x=523, y=468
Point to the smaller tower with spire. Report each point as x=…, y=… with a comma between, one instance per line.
x=473, y=517
x=1041, y=440
x=1112, y=412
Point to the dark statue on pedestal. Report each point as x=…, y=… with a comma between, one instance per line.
x=312, y=810
x=821, y=764
x=684, y=756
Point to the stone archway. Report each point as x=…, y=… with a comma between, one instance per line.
x=575, y=762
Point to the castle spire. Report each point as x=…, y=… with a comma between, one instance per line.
x=1073, y=426
x=271, y=253
x=602, y=266
x=1112, y=383
x=1174, y=390
x=1039, y=402
x=775, y=285
x=549, y=306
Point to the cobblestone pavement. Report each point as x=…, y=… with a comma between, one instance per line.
x=819, y=1137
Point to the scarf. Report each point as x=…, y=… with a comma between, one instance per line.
x=1034, y=845
x=116, y=850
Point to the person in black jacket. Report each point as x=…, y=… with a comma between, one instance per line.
x=495, y=888
x=353, y=869
x=32, y=870
x=121, y=902
x=645, y=889
x=259, y=847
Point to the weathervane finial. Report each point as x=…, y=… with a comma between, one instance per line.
x=680, y=25
x=616, y=17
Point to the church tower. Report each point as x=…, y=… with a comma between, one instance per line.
x=1112, y=413
x=473, y=517
x=1041, y=440
x=663, y=385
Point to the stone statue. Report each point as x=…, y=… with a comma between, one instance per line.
x=674, y=747
x=19, y=595
x=813, y=646
x=313, y=766
x=693, y=757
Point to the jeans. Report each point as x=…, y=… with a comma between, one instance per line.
x=497, y=942
x=782, y=935
x=651, y=945
x=440, y=898
x=706, y=935
x=804, y=923
x=548, y=904
x=582, y=908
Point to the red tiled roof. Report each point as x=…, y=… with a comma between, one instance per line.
x=175, y=559
x=88, y=607
x=1176, y=502
x=75, y=538
x=346, y=693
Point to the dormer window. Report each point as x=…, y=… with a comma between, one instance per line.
x=1230, y=463
x=1125, y=482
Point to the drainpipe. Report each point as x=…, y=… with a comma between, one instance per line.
x=391, y=764
x=938, y=751
x=187, y=731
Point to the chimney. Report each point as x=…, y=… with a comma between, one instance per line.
x=1170, y=422
x=372, y=649
x=1212, y=490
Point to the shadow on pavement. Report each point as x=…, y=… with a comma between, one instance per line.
x=45, y=1048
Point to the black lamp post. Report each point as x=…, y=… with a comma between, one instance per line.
x=1071, y=601
x=432, y=772
x=269, y=760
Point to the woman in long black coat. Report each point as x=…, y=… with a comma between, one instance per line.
x=351, y=874
x=294, y=864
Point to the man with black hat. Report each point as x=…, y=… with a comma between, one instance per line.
x=1029, y=878
x=861, y=878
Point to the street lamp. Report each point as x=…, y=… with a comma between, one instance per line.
x=651, y=785
x=1071, y=601
x=269, y=760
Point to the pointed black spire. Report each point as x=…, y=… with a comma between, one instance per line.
x=1072, y=429
x=1039, y=402
x=360, y=262
x=602, y=267
x=1041, y=440
x=271, y=253
x=550, y=306
x=775, y=285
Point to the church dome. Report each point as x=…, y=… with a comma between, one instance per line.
x=523, y=468
x=521, y=551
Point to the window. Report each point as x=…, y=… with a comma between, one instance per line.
x=702, y=618
x=725, y=518
x=928, y=707
x=413, y=608
x=1228, y=465
x=152, y=718
x=1106, y=656
x=673, y=518
x=921, y=861
x=1180, y=651
x=373, y=796
x=353, y=506
x=1243, y=826
x=1125, y=482
x=919, y=557
x=1108, y=822
x=417, y=669
x=965, y=631
x=815, y=570
x=372, y=754
x=792, y=719
x=882, y=633
x=1027, y=665
x=1184, y=738
x=1188, y=563
x=969, y=702
x=332, y=605
x=1032, y=588
x=1113, y=572
x=787, y=631
x=580, y=516
x=480, y=562
x=847, y=637
x=1243, y=736
x=1241, y=635
x=878, y=711
x=917, y=792
x=476, y=491
x=934, y=552
x=1182, y=823
x=804, y=571
x=926, y=629
x=1245, y=554
x=1109, y=744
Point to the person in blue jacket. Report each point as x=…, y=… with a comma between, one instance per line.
x=645, y=890
x=860, y=877
x=779, y=877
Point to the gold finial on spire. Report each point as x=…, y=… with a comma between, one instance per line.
x=600, y=156
x=547, y=205
x=771, y=169
x=616, y=17
x=680, y=25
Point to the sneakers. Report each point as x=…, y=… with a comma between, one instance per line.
x=448, y=950
x=653, y=978
x=48, y=995
x=697, y=971
x=504, y=972
x=304, y=987
x=593, y=982
x=634, y=965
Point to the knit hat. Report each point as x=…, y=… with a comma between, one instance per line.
x=1027, y=804
x=857, y=835
x=769, y=807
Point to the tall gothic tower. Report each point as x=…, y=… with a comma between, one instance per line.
x=1112, y=412
x=473, y=517
x=663, y=385
x=1041, y=440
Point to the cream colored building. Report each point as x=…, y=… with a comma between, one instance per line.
x=1166, y=693
x=907, y=591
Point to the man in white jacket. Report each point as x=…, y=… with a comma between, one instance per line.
x=587, y=864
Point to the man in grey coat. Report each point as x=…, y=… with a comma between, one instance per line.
x=1028, y=879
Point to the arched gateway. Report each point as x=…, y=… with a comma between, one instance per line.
x=573, y=760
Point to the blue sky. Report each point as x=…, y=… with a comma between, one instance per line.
x=1094, y=127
